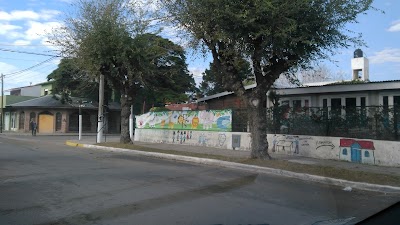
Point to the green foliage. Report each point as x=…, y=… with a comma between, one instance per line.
x=68, y=80
x=170, y=79
x=275, y=36
x=349, y=82
x=158, y=109
x=213, y=83
x=110, y=38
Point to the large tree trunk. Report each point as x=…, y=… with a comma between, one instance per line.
x=258, y=124
x=126, y=102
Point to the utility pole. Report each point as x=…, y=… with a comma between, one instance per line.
x=100, y=111
x=2, y=104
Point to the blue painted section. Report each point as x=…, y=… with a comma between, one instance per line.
x=356, y=153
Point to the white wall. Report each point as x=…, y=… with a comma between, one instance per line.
x=385, y=153
x=31, y=91
x=199, y=138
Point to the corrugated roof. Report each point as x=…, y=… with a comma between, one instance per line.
x=342, y=83
x=224, y=93
x=328, y=88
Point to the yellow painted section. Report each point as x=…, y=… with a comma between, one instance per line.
x=46, y=123
x=73, y=144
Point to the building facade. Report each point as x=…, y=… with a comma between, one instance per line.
x=53, y=116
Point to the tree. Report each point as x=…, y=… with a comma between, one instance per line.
x=319, y=73
x=275, y=36
x=212, y=82
x=68, y=80
x=109, y=37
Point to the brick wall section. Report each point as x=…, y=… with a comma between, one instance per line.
x=225, y=102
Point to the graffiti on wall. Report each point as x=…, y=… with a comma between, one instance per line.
x=221, y=139
x=181, y=136
x=211, y=120
x=287, y=143
x=322, y=144
x=359, y=151
x=204, y=138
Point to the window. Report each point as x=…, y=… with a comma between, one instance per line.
x=306, y=105
x=58, y=121
x=366, y=154
x=13, y=115
x=21, y=120
x=396, y=101
x=336, y=103
x=32, y=115
x=46, y=91
x=297, y=105
x=363, y=102
x=325, y=103
x=385, y=102
x=344, y=151
x=350, y=106
x=350, y=102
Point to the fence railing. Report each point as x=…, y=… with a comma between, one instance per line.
x=373, y=122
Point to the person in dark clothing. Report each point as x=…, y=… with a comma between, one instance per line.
x=33, y=126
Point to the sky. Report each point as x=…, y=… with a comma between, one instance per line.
x=24, y=23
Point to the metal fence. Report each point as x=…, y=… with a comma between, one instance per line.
x=374, y=122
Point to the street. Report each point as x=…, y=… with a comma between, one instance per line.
x=42, y=181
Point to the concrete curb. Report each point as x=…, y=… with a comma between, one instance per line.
x=250, y=168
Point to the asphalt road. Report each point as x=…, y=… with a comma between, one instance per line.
x=44, y=182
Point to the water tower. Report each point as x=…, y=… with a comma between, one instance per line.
x=360, y=66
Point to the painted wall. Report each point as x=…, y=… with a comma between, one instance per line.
x=213, y=120
x=193, y=137
x=376, y=152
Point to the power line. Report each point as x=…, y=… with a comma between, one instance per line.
x=19, y=76
x=29, y=68
x=17, y=45
x=24, y=52
x=18, y=59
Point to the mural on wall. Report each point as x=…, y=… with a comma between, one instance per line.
x=359, y=151
x=210, y=120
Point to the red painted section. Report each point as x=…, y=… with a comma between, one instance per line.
x=364, y=144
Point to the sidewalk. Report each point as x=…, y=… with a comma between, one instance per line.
x=395, y=171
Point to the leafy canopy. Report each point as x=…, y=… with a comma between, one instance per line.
x=274, y=36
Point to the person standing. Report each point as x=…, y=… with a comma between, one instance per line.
x=33, y=127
